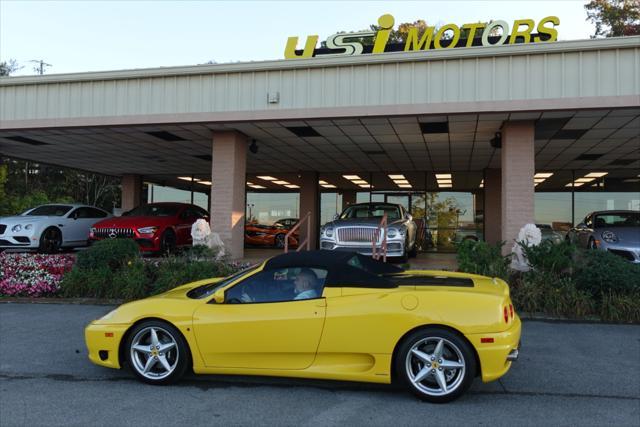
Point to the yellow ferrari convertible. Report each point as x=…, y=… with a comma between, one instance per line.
x=320, y=314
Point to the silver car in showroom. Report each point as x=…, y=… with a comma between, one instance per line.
x=615, y=231
x=49, y=228
x=354, y=229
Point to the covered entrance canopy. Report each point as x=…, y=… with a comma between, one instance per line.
x=570, y=107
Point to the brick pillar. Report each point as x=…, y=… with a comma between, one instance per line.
x=309, y=202
x=518, y=168
x=131, y=186
x=228, y=174
x=348, y=198
x=492, y=205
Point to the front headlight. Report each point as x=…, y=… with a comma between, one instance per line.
x=609, y=236
x=392, y=232
x=147, y=230
x=109, y=315
x=328, y=231
x=28, y=227
x=16, y=228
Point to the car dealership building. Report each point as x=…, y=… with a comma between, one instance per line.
x=511, y=134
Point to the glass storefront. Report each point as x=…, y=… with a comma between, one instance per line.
x=268, y=208
x=159, y=193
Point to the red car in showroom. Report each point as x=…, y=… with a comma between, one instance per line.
x=156, y=227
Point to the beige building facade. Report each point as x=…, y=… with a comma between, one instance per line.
x=494, y=119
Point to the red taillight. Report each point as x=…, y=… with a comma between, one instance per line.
x=506, y=315
x=511, y=310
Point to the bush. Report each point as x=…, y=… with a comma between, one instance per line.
x=111, y=253
x=540, y=293
x=616, y=307
x=549, y=257
x=483, y=258
x=600, y=272
x=176, y=271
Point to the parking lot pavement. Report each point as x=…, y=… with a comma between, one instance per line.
x=568, y=374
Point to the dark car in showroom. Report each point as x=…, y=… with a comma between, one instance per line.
x=616, y=231
x=156, y=227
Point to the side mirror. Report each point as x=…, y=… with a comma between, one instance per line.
x=409, y=217
x=218, y=296
x=336, y=216
x=581, y=225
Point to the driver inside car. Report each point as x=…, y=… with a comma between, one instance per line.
x=305, y=285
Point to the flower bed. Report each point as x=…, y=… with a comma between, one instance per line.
x=32, y=275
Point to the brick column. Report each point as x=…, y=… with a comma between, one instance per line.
x=131, y=187
x=228, y=175
x=348, y=198
x=492, y=205
x=309, y=202
x=518, y=168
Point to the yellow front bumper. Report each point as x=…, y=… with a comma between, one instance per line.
x=493, y=356
x=103, y=342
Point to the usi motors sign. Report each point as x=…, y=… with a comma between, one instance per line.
x=448, y=36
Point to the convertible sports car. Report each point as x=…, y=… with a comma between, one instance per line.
x=270, y=235
x=320, y=314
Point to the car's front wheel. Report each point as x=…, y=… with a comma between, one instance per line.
x=168, y=242
x=279, y=240
x=435, y=364
x=157, y=353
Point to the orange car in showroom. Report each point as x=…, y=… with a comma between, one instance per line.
x=270, y=235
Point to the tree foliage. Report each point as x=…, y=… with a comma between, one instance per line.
x=614, y=18
x=9, y=67
x=25, y=184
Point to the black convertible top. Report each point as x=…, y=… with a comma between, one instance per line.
x=343, y=268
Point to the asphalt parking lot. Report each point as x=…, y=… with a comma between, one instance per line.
x=568, y=374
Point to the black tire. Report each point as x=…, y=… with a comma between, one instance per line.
x=168, y=242
x=178, y=357
x=50, y=241
x=455, y=351
x=278, y=240
x=414, y=251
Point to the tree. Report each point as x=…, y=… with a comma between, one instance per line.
x=614, y=18
x=8, y=67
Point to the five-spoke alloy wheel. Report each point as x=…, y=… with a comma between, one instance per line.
x=436, y=364
x=157, y=352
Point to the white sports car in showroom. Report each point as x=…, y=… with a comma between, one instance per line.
x=48, y=228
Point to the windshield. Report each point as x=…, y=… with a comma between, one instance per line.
x=207, y=290
x=620, y=219
x=49, y=210
x=371, y=211
x=154, y=210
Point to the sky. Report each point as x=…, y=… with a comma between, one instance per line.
x=80, y=36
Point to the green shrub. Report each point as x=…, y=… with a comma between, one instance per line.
x=176, y=271
x=130, y=282
x=199, y=252
x=616, y=307
x=600, y=272
x=111, y=253
x=550, y=258
x=545, y=293
x=483, y=258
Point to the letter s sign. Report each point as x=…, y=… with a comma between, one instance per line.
x=339, y=41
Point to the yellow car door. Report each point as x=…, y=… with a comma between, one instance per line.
x=261, y=324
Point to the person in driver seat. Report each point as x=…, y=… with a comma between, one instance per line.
x=305, y=284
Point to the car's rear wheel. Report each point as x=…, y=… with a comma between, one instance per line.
x=278, y=241
x=50, y=241
x=435, y=364
x=157, y=353
x=592, y=244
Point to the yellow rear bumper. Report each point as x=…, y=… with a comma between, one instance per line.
x=103, y=342
x=493, y=356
